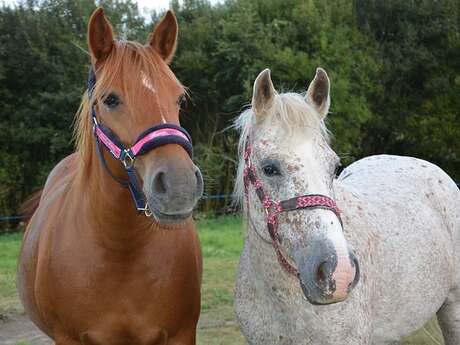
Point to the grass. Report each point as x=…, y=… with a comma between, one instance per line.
x=9, y=251
x=221, y=241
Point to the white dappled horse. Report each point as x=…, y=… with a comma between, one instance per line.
x=390, y=222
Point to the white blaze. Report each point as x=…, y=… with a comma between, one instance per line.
x=147, y=82
x=311, y=155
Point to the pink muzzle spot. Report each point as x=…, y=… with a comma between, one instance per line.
x=344, y=275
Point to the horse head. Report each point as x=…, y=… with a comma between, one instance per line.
x=286, y=172
x=134, y=99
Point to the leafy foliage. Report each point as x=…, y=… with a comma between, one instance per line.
x=394, y=68
x=418, y=47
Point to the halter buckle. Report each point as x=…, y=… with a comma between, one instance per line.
x=148, y=213
x=128, y=159
x=146, y=210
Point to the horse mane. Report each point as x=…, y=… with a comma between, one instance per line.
x=291, y=113
x=129, y=63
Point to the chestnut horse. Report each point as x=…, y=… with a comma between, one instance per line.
x=94, y=270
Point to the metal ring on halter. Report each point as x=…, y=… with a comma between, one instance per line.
x=128, y=160
x=146, y=210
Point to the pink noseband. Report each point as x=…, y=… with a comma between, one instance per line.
x=273, y=208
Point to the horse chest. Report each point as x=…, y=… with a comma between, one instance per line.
x=117, y=332
x=124, y=297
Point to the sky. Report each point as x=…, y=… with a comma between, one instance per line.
x=160, y=4
x=153, y=4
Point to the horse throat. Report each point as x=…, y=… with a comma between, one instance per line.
x=108, y=205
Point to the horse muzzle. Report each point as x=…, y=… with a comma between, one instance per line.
x=172, y=192
x=325, y=275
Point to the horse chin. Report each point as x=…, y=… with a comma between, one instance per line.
x=170, y=219
x=318, y=300
x=322, y=303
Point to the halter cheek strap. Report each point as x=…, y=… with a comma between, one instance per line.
x=152, y=138
x=274, y=208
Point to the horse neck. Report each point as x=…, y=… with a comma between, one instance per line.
x=109, y=207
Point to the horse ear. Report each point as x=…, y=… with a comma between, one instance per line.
x=164, y=37
x=100, y=35
x=263, y=93
x=318, y=92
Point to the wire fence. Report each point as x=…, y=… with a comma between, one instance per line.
x=16, y=218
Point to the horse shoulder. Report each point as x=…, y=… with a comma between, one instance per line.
x=28, y=261
x=59, y=177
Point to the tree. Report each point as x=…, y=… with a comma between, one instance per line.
x=416, y=108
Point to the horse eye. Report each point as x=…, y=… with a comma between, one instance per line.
x=112, y=101
x=270, y=170
x=337, y=168
x=180, y=100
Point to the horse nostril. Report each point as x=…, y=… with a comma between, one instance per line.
x=159, y=183
x=355, y=281
x=199, y=182
x=323, y=274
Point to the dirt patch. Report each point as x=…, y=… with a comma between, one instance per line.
x=16, y=329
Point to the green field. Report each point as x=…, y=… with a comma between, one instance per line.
x=221, y=240
x=9, y=250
